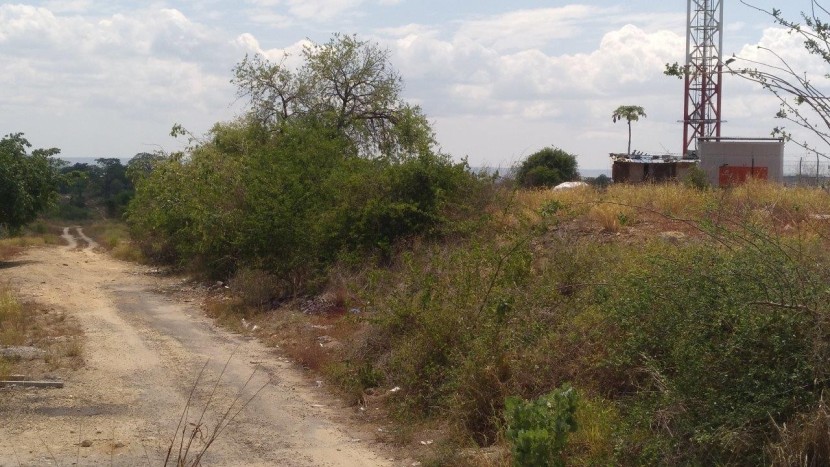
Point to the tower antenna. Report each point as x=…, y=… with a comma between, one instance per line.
x=704, y=70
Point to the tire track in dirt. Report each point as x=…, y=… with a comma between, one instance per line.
x=143, y=352
x=78, y=239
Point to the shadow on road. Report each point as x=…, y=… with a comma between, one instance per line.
x=14, y=264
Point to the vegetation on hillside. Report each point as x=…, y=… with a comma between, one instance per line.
x=692, y=323
x=659, y=324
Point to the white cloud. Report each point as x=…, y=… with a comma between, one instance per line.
x=129, y=75
x=281, y=13
x=524, y=29
x=69, y=6
x=483, y=77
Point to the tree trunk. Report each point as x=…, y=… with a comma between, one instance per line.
x=629, y=137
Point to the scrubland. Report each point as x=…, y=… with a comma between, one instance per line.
x=689, y=324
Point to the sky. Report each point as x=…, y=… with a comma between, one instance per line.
x=498, y=80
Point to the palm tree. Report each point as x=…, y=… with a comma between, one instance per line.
x=629, y=113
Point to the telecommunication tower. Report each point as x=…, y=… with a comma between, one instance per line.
x=704, y=70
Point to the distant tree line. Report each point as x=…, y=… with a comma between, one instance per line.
x=102, y=189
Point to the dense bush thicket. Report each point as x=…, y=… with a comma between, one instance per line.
x=684, y=353
x=290, y=202
x=329, y=165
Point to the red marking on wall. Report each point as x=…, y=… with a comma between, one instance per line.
x=737, y=175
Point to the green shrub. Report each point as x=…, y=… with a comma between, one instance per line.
x=696, y=178
x=548, y=167
x=290, y=203
x=538, y=430
x=720, y=344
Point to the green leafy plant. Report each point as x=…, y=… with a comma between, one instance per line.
x=538, y=430
x=696, y=178
x=28, y=182
x=547, y=167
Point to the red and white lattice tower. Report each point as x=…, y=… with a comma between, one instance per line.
x=704, y=70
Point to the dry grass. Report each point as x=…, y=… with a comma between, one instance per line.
x=611, y=218
x=11, y=319
x=255, y=288
x=31, y=324
x=805, y=442
x=114, y=236
x=637, y=213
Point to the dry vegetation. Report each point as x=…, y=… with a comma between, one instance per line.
x=114, y=237
x=690, y=322
x=51, y=331
x=30, y=324
x=615, y=291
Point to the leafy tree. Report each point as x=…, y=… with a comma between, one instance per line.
x=345, y=84
x=141, y=165
x=601, y=181
x=548, y=167
x=289, y=203
x=28, y=182
x=629, y=113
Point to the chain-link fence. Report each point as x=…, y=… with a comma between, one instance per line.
x=807, y=172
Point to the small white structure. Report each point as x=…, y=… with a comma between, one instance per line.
x=732, y=161
x=569, y=185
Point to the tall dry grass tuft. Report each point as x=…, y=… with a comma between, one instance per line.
x=11, y=319
x=256, y=288
x=805, y=441
x=198, y=429
x=611, y=218
x=115, y=237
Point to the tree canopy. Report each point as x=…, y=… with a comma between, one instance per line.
x=347, y=85
x=547, y=167
x=28, y=182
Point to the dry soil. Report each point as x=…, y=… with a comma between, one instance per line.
x=143, y=352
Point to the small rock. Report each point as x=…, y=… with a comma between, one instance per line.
x=86, y=443
x=395, y=389
x=118, y=445
x=672, y=237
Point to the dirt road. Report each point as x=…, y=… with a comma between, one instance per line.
x=143, y=352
